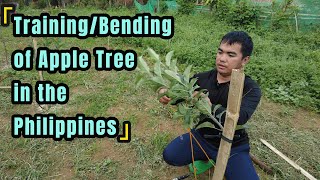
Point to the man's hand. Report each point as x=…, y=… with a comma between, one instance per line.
x=164, y=99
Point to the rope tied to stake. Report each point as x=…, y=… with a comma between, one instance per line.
x=192, y=153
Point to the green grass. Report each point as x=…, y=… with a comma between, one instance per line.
x=292, y=130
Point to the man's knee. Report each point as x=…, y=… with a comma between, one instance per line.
x=177, y=152
x=174, y=158
x=169, y=157
x=240, y=165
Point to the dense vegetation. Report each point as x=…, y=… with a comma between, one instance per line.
x=285, y=62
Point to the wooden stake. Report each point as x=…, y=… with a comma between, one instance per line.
x=5, y=51
x=35, y=47
x=108, y=42
x=296, y=166
x=5, y=87
x=295, y=15
x=232, y=116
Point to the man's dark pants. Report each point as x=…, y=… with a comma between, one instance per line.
x=178, y=153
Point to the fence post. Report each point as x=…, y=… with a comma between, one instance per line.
x=295, y=15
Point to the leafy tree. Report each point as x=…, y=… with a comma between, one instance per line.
x=180, y=88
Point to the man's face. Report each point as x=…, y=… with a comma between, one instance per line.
x=229, y=57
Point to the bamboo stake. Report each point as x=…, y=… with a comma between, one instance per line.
x=108, y=42
x=5, y=87
x=35, y=47
x=296, y=166
x=234, y=102
x=6, y=51
x=295, y=15
x=5, y=48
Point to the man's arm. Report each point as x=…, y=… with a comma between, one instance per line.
x=250, y=101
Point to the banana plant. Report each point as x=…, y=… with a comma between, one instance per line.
x=180, y=87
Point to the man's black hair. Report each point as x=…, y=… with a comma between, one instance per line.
x=241, y=38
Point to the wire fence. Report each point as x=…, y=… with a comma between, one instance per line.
x=306, y=17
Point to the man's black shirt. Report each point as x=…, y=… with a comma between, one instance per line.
x=218, y=94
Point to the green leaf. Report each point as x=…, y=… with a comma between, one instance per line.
x=220, y=115
x=207, y=124
x=139, y=80
x=192, y=83
x=157, y=69
x=204, y=106
x=143, y=65
x=174, y=101
x=182, y=109
x=186, y=73
x=173, y=65
x=168, y=58
x=158, y=80
x=177, y=115
x=187, y=117
x=182, y=79
x=173, y=75
x=216, y=107
x=179, y=87
x=195, y=119
x=153, y=54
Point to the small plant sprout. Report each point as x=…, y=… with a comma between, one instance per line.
x=181, y=88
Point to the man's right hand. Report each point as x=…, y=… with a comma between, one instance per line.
x=164, y=99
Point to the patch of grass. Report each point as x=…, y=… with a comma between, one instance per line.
x=159, y=141
x=102, y=169
x=278, y=131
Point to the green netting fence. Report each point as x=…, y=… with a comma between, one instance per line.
x=149, y=7
x=308, y=14
x=153, y=6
